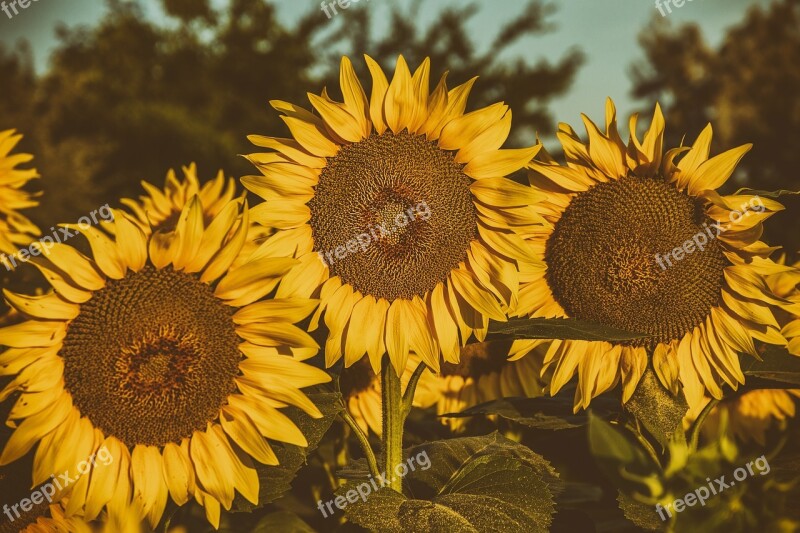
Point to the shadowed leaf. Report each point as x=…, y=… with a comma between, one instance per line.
x=274, y=481
x=560, y=328
x=472, y=484
x=544, y=412
x=657, y=409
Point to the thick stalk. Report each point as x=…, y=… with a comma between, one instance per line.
x=393, y=418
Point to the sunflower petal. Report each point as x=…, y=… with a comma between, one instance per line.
x=712, y=174
x=178, y=473
x=400, y=105
x=311, y=137
x=337, y=118
x=380, y=87
x=354, y=97
x=500, y=162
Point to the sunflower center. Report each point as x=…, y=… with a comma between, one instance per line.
x=392, y=215
x=610, y=259
x=151, y=357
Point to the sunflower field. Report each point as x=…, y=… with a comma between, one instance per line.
x=399, y=266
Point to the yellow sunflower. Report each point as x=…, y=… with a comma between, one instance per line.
x=749, y=416
x=483, y=374
x=56, y=521
x=160, y=209
x=361, y=389
x=159, y=356
x=640, y=243
x=399, y=213
x=15, y=229
x=787, y=285
x=53, y=518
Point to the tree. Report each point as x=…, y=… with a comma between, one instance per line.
x=526, y=88
x=130, y=97
x=749, y=87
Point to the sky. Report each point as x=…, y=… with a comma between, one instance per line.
x=606, y=31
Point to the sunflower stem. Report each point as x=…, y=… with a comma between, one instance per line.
x=393, y=419
x=411, y=388
x=363, y=440
x=648, y=447
x=694, y=431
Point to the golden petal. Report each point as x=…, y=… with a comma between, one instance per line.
x=311, y=137
x=380, y=86
x=401, y=102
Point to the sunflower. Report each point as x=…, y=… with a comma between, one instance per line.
x=159, y=209
x=483, y=374
x=56, y=521
x=637, y=242
x=787, y=285
x=15, y=229
x=159, y=352
x=399, y=213
x=361, y=389
x=749, y=416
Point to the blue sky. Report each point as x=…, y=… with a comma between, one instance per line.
x=606, y=31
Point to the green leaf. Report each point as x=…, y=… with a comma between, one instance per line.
x=778, y=369
x=642, y=514
x=623, y=460
x=657, y=409
x=472, y=484
x=545, y=412
x=282, y=521
x=560, y=328
x=274, y=481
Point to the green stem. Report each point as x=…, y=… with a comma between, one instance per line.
x=393, y=418
x=363, y=440
x=648, y=447
x=694, y=431
x=408, y=395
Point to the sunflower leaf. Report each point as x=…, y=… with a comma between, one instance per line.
x=657, y=409
x=545, y=412
x=778, y=369
x=466, y=484
x=641, y=514
x=275, y=481
x=623, y=461
x=560, y=328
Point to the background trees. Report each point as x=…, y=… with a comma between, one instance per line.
x=130, y=97
x=748, y=86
